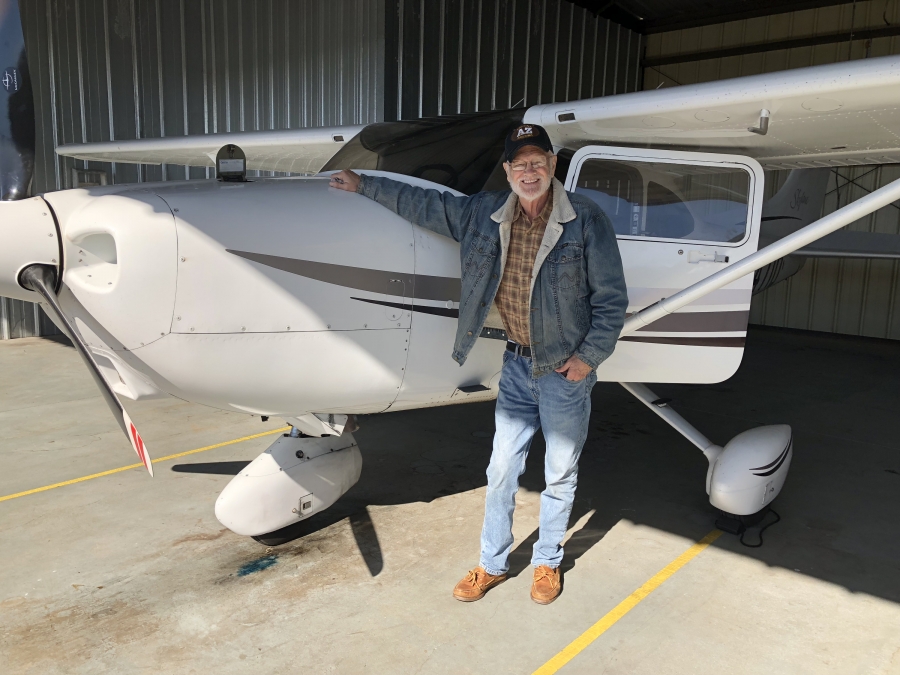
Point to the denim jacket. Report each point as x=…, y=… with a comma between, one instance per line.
x=578, y=294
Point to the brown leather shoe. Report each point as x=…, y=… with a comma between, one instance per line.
x=475, y=584
x=546, y=586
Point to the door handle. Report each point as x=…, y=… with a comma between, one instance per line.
x=695, y=257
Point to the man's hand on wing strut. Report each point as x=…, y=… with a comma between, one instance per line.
x=574, y=370
x=345, y=180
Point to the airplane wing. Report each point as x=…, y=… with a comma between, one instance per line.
x=830, y=115
x=848, y=244
x=289, y=150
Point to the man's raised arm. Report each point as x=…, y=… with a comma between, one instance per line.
x=440, y=212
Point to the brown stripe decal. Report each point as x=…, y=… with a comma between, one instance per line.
x=424, y=309
x=426, y=287
x=375, y=281
x=701, y=322
x=690, y=341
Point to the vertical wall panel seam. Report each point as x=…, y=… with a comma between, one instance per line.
x=892, y=300
x=215, y=70
x=572, y=11
x=400, y=45
x=4, y=319
x=80, y=63
x=205, y=70
x=256, y=70
x=605, y=58
x=421, y=55
x=584, y=20
x=136, y=92
x=162, y=91
x=271, y=53
x=615, y=89
x=494, y=65
x=810, y=313
x=553, y=71
x=594, y=57
x=205, y=73
x=527, y=54
x=512, y=56
x=459, y=55
x=287, y=69
x=227, y=54
x=184, y=97
x=441, y=31
x=478, y=59
x=638, y=71
x=540, y=91
x=241, y=92
x=109, y=93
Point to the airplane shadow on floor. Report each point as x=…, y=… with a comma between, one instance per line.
x=399, y=471
x=840, y=507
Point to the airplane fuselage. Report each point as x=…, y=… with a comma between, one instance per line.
x=283, y=297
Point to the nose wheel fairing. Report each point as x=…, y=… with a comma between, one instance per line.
x=292, y=480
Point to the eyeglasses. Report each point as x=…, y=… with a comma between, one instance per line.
x=536, y=165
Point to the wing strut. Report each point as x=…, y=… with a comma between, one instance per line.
x=789, y=244
x=42, y=280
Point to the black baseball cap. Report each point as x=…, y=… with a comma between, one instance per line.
x=527, y=134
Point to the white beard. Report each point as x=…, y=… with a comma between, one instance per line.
x=537, y=189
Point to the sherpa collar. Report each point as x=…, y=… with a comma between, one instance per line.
x=562, y=208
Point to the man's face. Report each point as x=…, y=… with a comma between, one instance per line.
x=530, y=172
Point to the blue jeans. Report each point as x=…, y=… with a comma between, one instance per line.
x=525, y=404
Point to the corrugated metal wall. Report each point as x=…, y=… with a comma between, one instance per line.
x=120, y=69
x=853, y=297
x=457, y=56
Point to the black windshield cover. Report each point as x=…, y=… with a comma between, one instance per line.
x=462, y=152
x=16, y=107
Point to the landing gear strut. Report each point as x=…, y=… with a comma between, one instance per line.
x=743, y=477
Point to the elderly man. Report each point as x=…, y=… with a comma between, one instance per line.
x=558, y=285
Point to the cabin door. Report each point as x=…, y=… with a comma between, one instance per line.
x=678, y=217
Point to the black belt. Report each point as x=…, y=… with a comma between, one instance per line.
x=518, y=349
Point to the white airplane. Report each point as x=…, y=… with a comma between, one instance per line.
x=282, y=297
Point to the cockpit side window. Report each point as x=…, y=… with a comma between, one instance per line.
x=669, y=201
x=618, y=189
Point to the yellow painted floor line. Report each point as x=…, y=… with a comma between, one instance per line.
x=135, y=466
x=620, y=610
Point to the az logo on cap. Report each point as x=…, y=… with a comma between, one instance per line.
x=525, y=131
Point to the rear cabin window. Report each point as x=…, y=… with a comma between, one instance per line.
x=664, y=200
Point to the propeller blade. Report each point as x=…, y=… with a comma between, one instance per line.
x=42, y=280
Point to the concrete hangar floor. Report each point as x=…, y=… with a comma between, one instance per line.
x=123, y=574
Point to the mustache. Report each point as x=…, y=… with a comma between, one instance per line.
x=518, y=188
